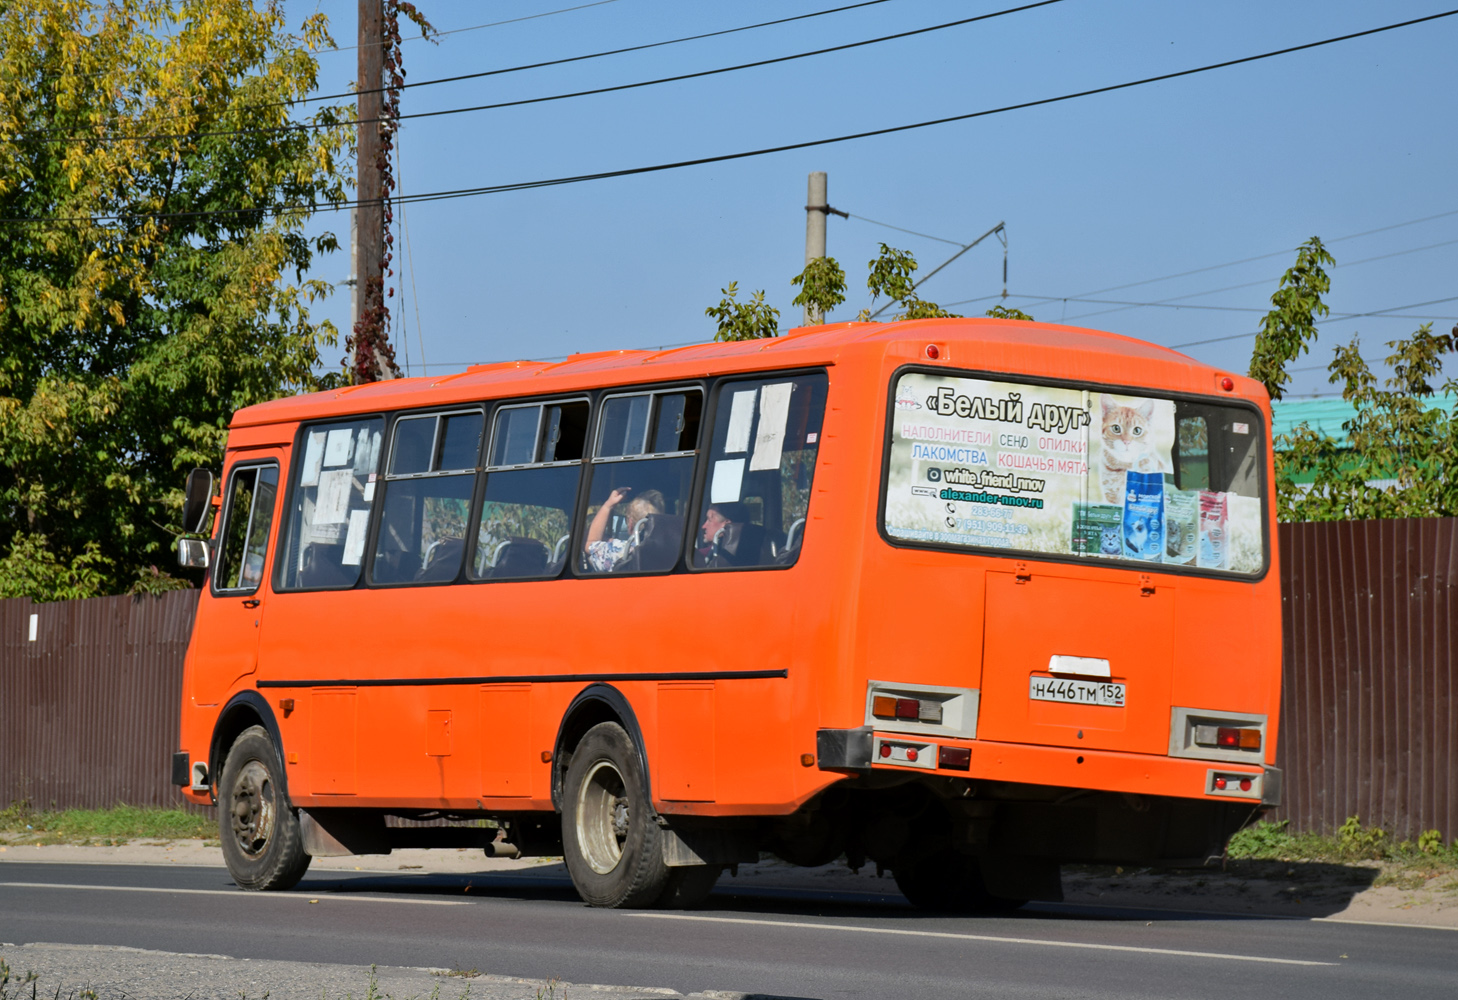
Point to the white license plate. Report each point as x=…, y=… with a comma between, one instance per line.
x=1076, y=692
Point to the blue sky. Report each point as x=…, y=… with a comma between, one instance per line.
x=1096, y=193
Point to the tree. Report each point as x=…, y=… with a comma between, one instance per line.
x=1007, y=312
x=744, y=320
x=154, y=192
x=822, y=287
x=1291, y=323
x=1395, y=459
x=890, y=275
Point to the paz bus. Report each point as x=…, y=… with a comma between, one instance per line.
x=968, y=599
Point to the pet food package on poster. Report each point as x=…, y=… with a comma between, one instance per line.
x=1181, y=526
x=1144, y=516
x=1214, y=531
x=1097, y=528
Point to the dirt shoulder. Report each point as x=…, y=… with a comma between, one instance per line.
x=1375, y=892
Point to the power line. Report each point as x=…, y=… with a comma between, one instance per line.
x=1335, y=317
x=913, y=232
x=727, y=157
x=305, y=126
x=515, y=69
x=493, y=24
x=593, y=55
x=1252, y=284
x=1267, y=256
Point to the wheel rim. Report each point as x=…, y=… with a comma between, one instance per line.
x=252, y=808
x=603, y=817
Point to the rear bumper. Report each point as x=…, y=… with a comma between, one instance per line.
x=862, y=750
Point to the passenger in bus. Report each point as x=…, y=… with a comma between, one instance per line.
x=603, y=555
x=728, y=537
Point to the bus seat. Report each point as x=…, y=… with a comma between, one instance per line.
x=521, y=557
x=445, y=561
x=738, y=544
x=660, y=536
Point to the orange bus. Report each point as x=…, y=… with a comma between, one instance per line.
x=968, y=599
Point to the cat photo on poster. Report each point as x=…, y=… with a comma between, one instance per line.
x=1133, y=435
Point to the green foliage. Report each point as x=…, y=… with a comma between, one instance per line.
x=1394, y=435
x=117, y=824
x=1261, y=839
x=1291, y=323
x=1430, y=842
x=822, y=287
x=750, y=320
x=1358, y=841
x=890, y=275
x=30, y=569
x=133, y=323
x=1007, y=312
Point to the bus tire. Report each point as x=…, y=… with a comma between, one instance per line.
x=610, y=835
x=688, y=886
x=948, y=882
x=262, y=844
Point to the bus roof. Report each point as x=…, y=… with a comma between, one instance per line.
x=988, y=340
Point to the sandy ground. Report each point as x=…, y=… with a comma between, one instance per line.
x=1302, y=890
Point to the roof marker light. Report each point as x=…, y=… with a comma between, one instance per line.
x=932, y=351
x=1227, y=383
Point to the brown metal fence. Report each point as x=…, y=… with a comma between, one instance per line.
x=89, y=706
x=1369, y=727
x=1369, y=713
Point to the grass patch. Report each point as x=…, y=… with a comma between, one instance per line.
x=1405, y=864
x=109, y=827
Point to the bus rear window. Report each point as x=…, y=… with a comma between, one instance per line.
x=1076, y=473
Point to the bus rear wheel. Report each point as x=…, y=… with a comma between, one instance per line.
x=948, y=882
x=610, y=837
x=262, y=844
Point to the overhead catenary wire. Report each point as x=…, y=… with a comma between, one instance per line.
x=590, y=55
x=519, y=68
x=787, y=147
x=492, y=24
x=521, y=102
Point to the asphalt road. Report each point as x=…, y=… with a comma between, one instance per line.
x=780, y=943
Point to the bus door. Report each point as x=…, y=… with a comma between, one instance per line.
x=230, y=616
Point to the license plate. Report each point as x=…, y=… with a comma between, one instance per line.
x=1076, y=692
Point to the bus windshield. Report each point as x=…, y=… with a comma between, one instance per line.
x=1075, y=473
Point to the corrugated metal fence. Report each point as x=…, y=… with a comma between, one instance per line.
x=89, y=700
x=88, y=710
x=1369, y=714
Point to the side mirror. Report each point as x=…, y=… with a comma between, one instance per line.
x=192, y=553
x=198, y=497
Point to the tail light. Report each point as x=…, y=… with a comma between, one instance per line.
x=883, y=706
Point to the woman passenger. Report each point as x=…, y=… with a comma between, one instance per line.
x=601, y=554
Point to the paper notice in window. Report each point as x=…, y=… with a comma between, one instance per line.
x=313, y=459
x=741, y=414
x=354, y=541
x=337, y=448
x=331, y=505
x=774, y=412
x=728, y=480
x=366, y=453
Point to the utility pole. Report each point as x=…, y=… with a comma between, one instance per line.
x=369, y=228
x=816, y=208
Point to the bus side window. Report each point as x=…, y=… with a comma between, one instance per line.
x=243, y=542
x=761, y=467
x=535, y=462
x=642, y=474
x=334, y=488
x=428, y=485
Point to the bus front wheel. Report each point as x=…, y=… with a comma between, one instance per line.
x=262, y=844
x=610, y=837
